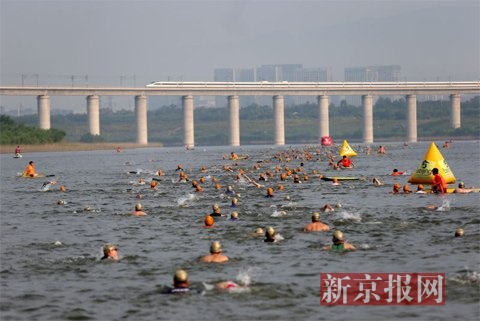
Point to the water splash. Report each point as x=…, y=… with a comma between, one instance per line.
x=278, y=213
x=445, y=206
x=344, y=215
x=183, y=200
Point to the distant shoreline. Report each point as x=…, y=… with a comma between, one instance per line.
x=68, y=147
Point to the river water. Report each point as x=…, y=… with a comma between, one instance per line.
x=50, y=267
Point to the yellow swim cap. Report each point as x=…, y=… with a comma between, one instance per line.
x=338, y=235
x=259, y=230
x=270, y=232
x=216, y=247
x=215, y=207
x=138, y=207
x=180, y=276
x=234, y=215
x=459, y=232
x=316, y=217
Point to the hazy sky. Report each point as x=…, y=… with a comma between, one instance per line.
x=117, y=42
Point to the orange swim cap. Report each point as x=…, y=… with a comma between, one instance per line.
x=217, y=186
x=406, y=188
x=62, y=188
x=209, y=220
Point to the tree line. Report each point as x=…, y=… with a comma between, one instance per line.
x=13, y=133
x=165, y=123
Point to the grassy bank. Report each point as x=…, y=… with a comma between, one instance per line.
x=66, y=146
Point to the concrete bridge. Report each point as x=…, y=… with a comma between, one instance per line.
x=232, y=91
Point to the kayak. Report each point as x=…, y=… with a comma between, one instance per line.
x=340, y=178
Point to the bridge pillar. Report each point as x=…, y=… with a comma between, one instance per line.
x=455, y=103
x=93, y=113
x=411, y=118
x=141, y=115
x=323, y=120
x=367, y=119
x=43, y=104
x=188, y=126
x=278, y=110
x=234, y=120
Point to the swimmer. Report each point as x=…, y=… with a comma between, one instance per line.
x=269, y=192
x=258, y=232
x=339, y=243
x=327, y=208
x=227, y=285
x=110, y=252
x=216, y=210
x=316, y=225
x=183, y=177
x=198, y=189
x=216, y=255
x=153, y=184
x=180, y=283
x=139, y=210
x=462, y=190
x=381, y=150
x=229, y=190
x=396, y=188
x=234, y=216
x=234, y=202
x=406, y=189
x=459, y=232
x=377, y=182
x=209, y=221
x=420, y=189
x=335, y=182
x=296, y=179
x=62, y=188
x=60, y=202
x=395, y=172
x=46, y=186
x=270, y=235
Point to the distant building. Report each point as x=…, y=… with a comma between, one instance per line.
x=371, y=74
x=234, y=75
x=374, y=73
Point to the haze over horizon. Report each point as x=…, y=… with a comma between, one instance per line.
x=132, y=43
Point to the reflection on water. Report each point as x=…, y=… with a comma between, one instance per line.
x=50, y=267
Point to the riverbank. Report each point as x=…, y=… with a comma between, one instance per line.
x=68, y=146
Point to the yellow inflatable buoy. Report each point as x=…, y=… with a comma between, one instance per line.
x=346, y=150
x=433, y=159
